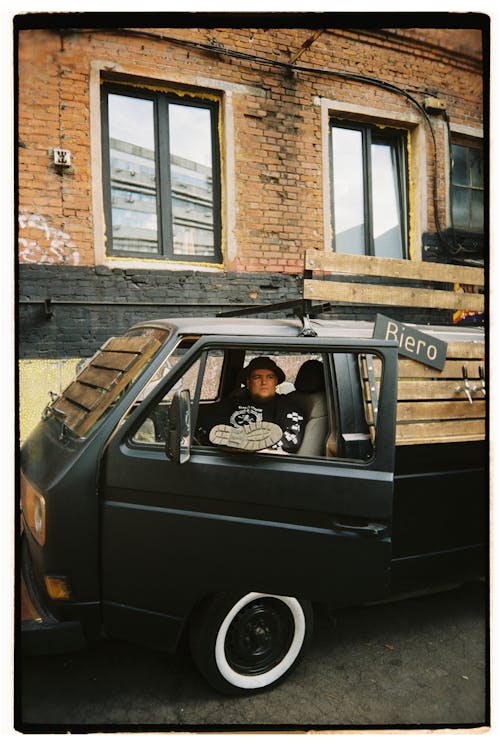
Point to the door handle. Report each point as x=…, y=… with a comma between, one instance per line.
x=371, y=528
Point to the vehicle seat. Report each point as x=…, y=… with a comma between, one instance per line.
x=310, y=395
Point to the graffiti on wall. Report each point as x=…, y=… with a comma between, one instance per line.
x=40, y=243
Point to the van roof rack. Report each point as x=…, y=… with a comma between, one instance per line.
x=303, y=309
x=254, y=310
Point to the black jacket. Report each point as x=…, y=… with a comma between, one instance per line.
x=241, y=409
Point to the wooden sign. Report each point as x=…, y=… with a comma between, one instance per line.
x=412, y=342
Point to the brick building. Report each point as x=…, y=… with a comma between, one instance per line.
x=168, y=169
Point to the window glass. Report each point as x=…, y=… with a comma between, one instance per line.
x=212, y=376
x=329, y=425
x=460, y=205
x=348, y=185
x=358, y=383
x=467, y=189
x=477, y=210
x=476, y=167
x=368, y=184
x=192, y=181
x=460, y=171
x=386, y=202
x=132, y=173
x=153, y=429
x=163, y=195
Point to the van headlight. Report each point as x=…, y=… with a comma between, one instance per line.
x=33, y=509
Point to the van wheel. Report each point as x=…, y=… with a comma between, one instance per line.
x=250, y=643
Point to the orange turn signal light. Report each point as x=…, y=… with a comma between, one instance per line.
x=57, y=587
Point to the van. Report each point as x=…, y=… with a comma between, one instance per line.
x=136, y=527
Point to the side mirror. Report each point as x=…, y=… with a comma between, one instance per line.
x=178, y=441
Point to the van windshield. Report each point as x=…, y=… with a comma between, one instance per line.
x=104, y=378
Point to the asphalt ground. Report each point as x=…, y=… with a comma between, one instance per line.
x=420, y=663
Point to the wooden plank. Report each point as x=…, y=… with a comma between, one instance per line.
x=465, y=350
x=427, y=432
x=369, y=410
x=418, y=390
x=115, y=360
x=439, y=410
x=74, y=415
x=110, y=396
x=135, y=344
x=452, y=369
x=469, y=353
x=99, y=377
x=83, y=395
x=401, y=268
x=366, y=294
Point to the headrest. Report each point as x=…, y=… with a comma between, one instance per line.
x=310, y=377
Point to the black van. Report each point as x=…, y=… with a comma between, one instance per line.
x=133, y=527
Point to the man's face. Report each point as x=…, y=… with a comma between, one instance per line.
x=262, y=384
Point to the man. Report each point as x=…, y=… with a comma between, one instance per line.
x=258, y=418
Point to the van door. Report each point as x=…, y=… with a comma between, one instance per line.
x=312, y=526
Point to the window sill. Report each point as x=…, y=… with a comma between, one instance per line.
x=121, y=262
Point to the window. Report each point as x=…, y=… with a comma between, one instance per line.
x=467, y=187
x=161, y=175
x=153, y=428
x=330, y=425
x=369, y=190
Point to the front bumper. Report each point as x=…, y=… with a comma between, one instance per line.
x=41, y=632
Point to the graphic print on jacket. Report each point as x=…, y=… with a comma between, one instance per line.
x=241, y=410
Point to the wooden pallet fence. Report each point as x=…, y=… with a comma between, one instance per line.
x=432, y=405
x=359, y=291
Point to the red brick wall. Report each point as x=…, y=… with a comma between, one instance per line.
x=278, y=153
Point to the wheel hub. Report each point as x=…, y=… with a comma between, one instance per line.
x=259, y=636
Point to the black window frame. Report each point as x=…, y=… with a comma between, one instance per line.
x=161, y=100
x=347, y=417
x=371, y=133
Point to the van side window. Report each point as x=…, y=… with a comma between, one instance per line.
x=152, y=429
x=316, y=421
x=212, y=376
x=298, y=401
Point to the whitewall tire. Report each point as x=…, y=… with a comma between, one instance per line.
x=249, y=643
